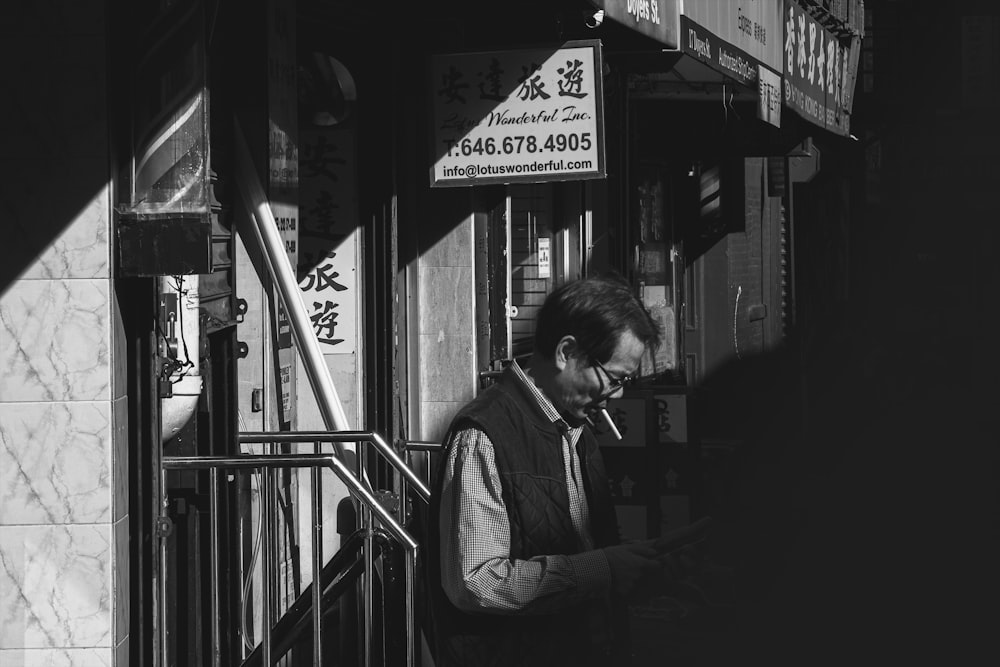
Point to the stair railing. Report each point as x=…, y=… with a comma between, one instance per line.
x=371, y=510
x=263, y=230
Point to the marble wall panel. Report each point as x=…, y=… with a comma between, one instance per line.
x=119, y=350
x=447, y=367
x=435, y=416
x=119, y=458
x=453, y=249
x=55, y=587
x=74, y=247
x=58, y=657
x=120, y=592
x=55, y=463
x=447, y=301
x=54, y=341
x=49, y=236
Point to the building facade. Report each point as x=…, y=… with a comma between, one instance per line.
x=173, y=165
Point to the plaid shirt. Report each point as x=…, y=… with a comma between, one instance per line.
x=477, y=572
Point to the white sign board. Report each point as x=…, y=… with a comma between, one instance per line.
x=330, y=293
x=529, y=115
x=544, y=257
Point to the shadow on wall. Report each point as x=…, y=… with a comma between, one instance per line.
x=53, y=200
x=55, y=166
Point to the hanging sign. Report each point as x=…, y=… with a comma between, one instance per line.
x=745, y=28
x=654, y=18
x=329, y=251
x=769, y=96
x=701, y=44
x=530, y=115
x=819, y=72
x=742, y=40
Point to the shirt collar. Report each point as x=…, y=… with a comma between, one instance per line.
x=543, y=401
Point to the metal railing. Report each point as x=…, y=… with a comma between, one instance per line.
x=261, y=229
x=371, y=511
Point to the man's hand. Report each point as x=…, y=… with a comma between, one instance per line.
x=681, y=551
x=678, y=537
x=630, y=563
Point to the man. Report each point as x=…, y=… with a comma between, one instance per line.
x=525, y=564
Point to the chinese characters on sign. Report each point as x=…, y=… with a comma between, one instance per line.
x=324, y=286
x=283, y=158
x=328, y=255
x=529, y=115
x=769, y=96
x=671, y=417
x=818, y=76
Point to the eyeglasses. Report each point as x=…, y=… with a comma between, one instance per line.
x=614, y=384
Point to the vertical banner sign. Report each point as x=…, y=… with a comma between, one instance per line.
x=330, y=291
x=769, y=96
x=328, y=235
x=283, y=157
x=530, y=115
x=818, y=77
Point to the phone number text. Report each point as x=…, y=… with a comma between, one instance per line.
x=514, y=145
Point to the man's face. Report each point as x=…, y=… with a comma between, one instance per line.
x=582, y=385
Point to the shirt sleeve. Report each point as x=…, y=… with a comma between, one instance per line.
x=477, y=572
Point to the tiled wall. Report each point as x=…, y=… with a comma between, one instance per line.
x=63, y=450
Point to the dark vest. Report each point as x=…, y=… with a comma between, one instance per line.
x=528, y=451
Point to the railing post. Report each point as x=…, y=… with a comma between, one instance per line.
x=368, y=583
x=411, y=619
x=213, y=512
x=162, y=538
x=266, y=564
x=317, y=563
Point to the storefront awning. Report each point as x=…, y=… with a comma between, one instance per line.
x=726, y=42
x=657, y=19
x=790, y=54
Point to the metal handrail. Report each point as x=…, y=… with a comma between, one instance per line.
x=292, y=437
x=421, y=445
x=267, y=463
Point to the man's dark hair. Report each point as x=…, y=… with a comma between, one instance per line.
x=596, y=311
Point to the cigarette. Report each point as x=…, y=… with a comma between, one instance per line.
x=611, y=424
